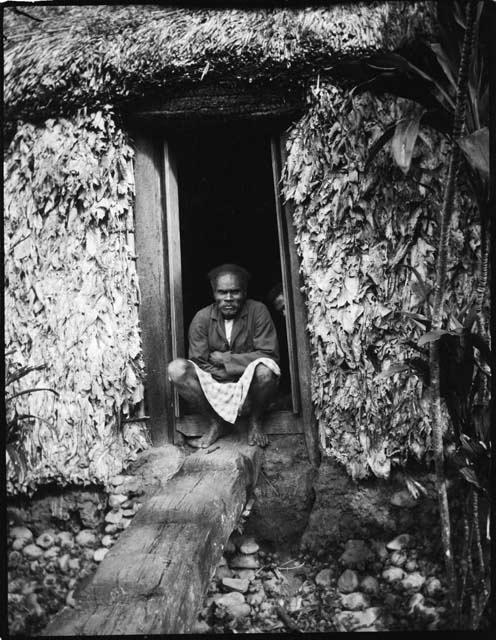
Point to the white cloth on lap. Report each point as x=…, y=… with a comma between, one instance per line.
x=227, y=398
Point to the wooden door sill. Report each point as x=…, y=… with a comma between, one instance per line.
x=275, y=423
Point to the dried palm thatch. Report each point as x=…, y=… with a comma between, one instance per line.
x=365, y=238
x=71, y=296
x=93, y=55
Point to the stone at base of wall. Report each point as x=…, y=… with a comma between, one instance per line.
x=345, y=509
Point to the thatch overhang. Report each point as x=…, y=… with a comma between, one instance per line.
x=78, y=56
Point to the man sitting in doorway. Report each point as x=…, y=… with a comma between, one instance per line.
x=233, y=357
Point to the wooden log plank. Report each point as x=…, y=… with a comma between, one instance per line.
x=154, y=578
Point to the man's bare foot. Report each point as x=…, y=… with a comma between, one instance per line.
x=211, y=436
x=256, y=435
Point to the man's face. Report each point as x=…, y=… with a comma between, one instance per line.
x=229, y=295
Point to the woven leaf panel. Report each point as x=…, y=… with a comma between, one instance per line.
x=71, y=300
x=356, y=231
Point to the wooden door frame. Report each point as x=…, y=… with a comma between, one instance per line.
x=155, y=210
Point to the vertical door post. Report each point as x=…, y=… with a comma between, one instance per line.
x=286, y=277
x=299, y=314
x=174, y=251
x=154, y=309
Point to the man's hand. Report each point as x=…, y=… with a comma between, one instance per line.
x=216, y=358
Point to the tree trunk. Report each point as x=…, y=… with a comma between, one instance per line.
x=439, y=293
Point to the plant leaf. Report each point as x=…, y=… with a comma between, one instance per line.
x=379, y=144
x=444, y=61
x=469, y=475
x=476, y=149
x=432, y=336
x=404, y=139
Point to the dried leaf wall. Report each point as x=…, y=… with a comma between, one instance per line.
x=71, y=296
x=356, y=231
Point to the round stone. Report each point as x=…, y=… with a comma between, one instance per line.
x=116, y=500
x=348, y=581
x=49, y=581
x=410, y=565
x=113, y=517
x=51, y=553
x=393, y=574
x=239, y=610
x=19, y=544
x=74, y=564
x=45, y=540
x=248, y=546
x=356, y=620
x=32, y=551
x=63, y=562
x=403, y=541
x=355, y=601
x=370, y=585
x=413, y=581
x=21, y=533
x=65, y=539
x=244, y=562
x=86, y=538
x=108, y=541
x=100, y=554
x=111, y=528
x=15, y=558
x=324, y=578
x=432, y=587
x=416, y=601
x=398, y=558
x=235, y=584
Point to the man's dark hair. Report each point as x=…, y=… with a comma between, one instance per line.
x=233, y=269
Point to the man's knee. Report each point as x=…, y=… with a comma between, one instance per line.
x=178, y=370
x=263, y=375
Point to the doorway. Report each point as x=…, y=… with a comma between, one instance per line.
x=208, y=194
x=227, y=215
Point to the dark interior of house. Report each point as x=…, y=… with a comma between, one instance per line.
x=227, y=214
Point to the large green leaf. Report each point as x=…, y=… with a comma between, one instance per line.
x=433, y=336
x=476, y=149
x=445, y=62
x=404, y=138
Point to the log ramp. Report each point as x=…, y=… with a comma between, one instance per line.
x=153, y=580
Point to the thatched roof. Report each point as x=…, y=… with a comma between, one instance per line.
x=81, y=55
